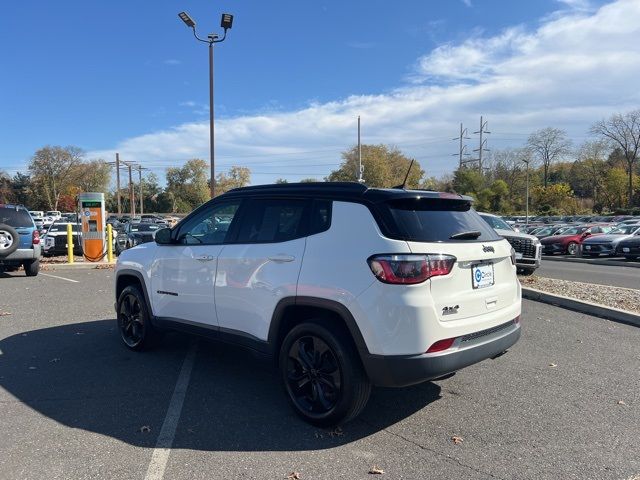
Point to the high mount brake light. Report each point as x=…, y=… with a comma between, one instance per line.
x=409, y=269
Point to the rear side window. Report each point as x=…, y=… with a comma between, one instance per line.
x=437, y=220
x=16, y=218
x=268, y=221
x=320, y=216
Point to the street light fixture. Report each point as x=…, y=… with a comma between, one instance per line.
x=226, y=22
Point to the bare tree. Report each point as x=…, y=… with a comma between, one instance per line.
x=623, y=130
x=549, y=145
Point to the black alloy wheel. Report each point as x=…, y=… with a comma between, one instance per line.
x=313, y=375
x=134, y=325
x=322, y=373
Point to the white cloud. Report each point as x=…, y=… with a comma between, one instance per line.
x=570, y=71
x=172, y=61
x=467, y=3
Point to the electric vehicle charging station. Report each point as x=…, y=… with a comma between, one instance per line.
x=92, y=214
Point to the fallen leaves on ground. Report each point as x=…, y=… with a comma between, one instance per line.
x=4, y=314
x=104, y=267
x=145, y=429
x=621, y=402
x=553, y=365
x=457, y=439
x=376, y=471
x=293, y=476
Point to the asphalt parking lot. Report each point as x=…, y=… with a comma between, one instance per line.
x=564, y=403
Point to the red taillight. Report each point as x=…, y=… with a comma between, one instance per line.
x=441, y=345
x=36, y=237
x=408, y=269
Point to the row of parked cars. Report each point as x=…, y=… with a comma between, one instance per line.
x=619, y=237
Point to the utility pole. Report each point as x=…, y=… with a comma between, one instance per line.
x=462, y=149
x=526, y=161
x=140, y=183
x=483, y=143
x=360, y=167
x=118, y=183
x=131, y=193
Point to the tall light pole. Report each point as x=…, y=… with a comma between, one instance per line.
x=226, y=22
x=526, y=161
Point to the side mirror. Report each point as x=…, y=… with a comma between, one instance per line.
x=586, y=234
x=163, y=236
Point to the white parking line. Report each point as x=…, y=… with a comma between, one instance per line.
x=160, y=455
x=61, y=278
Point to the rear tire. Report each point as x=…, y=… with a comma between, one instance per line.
x=322, y=374
x=134, y=321
x=31, y=268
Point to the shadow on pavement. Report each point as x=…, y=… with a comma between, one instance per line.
x=82, y=377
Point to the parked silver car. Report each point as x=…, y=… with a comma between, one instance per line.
x=607, y=244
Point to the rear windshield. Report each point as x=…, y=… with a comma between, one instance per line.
x=15, y=218
x=437, y=220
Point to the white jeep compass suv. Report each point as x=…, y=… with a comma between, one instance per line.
x=345, y=286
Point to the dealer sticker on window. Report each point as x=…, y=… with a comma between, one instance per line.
x=482, y=275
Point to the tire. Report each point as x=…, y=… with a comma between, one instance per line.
x=31, y=268
x=9, y=240
x=134, y=321
x=572, y=248
x=322, y=374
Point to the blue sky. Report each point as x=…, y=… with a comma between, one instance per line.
x=293, y=75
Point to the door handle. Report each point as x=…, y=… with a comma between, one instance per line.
x=205, y=258
x=281, y=258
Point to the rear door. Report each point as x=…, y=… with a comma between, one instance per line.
x=261, y=265
x=483, y=278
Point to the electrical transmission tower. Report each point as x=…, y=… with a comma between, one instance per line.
x=462, y=150
x=483, y=143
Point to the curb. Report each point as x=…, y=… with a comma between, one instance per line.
x=597, y=310
x=77, y=266
x=611, y=263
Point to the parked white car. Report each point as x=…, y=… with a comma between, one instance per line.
x=528, y=248
x=347, y=287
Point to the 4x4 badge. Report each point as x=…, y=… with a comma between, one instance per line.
x=487, y=249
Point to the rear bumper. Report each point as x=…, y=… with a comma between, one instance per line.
x=21, y=255
x=403, y=370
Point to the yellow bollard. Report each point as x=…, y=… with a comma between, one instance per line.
x=69, y=243
x=109, y=243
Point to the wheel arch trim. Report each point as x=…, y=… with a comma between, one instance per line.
x=315, y=302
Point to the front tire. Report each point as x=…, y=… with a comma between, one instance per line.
x=572, y=248
x=134, y=321
x=322, y=374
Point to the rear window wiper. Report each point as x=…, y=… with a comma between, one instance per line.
x=471, y=235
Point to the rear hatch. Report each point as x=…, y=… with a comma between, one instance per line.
x=19, y=219
x=482, y=279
